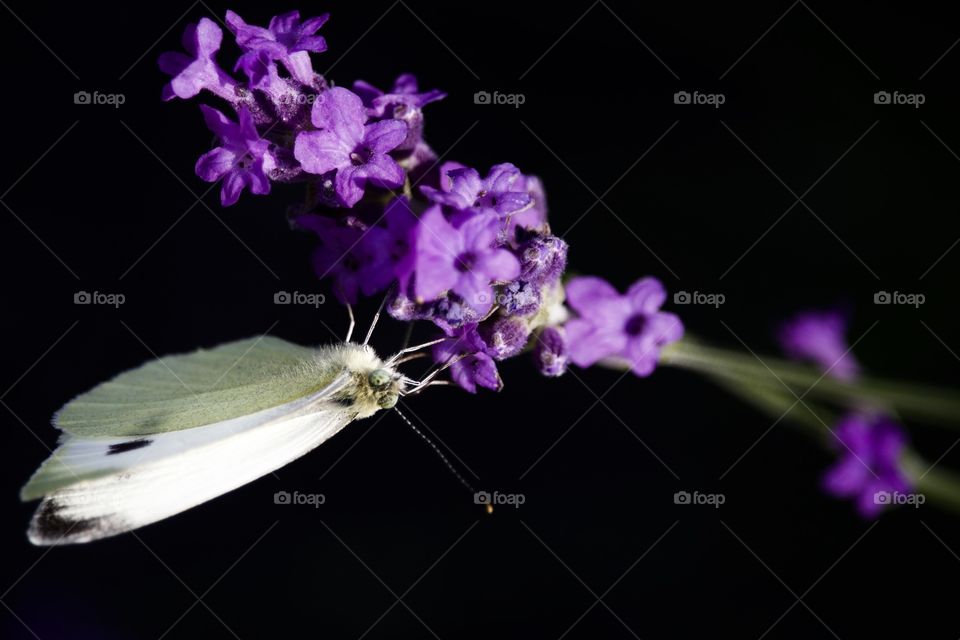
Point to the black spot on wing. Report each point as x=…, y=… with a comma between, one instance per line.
x=50, y=525
x=123, y=447
x=344, y=401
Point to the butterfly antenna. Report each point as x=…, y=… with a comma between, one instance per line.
x=440, y=454
x=393, y=359
x=353, y=322
x=376, y=318
x=407, y=335
x=429, y=379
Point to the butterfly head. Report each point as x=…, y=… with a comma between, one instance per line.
x=385, y=385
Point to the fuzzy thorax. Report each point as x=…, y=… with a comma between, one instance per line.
x=372, y=384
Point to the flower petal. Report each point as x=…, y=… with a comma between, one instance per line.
x=214, y=164
x=340, y=111
x=499, y=265
x=233, y=185
x=584, y=292
x=382, y=171
x=647, y=295
x=350, y=184
x=299, y=66
x=587, y=344
x=384, y=136
x=475, y=290
x=321, y=151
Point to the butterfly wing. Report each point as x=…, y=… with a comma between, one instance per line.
x=138, y=449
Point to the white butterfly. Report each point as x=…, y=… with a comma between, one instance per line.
x=184, y=429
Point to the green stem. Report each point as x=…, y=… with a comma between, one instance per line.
x=914, y=401
x=939, y=485
x=774, y=391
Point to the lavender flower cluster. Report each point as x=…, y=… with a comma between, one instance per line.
x=472, y=253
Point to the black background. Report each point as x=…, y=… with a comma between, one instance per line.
x=112, y=207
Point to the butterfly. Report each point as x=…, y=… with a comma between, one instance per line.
x=181, y=430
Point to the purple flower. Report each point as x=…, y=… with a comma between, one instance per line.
x=473, y=370
x=349, y=254
x=357, y=151
x=286, y=40
x=630, y=327
x=462, y=188
x=243, y=158
x=404, y=92
x=463, y=260
x=868, y=467
x=404, y=102
x=820, y=336
x=197, y=71
x=550, y=352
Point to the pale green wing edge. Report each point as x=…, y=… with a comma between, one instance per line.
x=195, y=389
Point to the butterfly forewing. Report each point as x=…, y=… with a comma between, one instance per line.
x=182, y=430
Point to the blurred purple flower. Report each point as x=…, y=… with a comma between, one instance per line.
x=197, y=71
x=352, y=256
x=357, y=151
x=473, y=370
x=463, y=260
x=868, y=467
x=286, y=40
x=629, y=327
x=400, y=242
x=243, y=158
x=820, y=336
